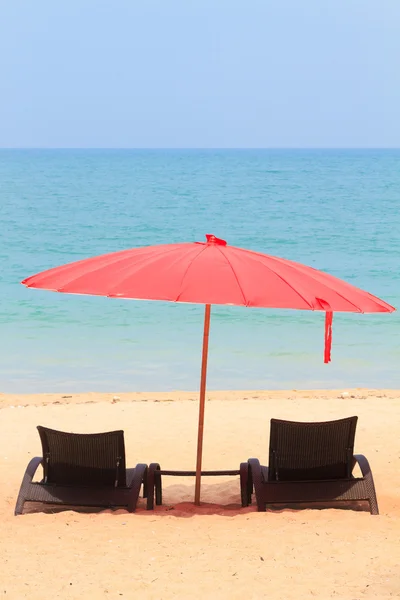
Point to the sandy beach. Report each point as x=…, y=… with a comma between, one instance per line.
x=218, y=550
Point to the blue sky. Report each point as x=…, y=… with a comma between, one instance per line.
x=200, y=73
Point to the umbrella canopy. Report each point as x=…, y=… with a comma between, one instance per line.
x=207, y=273
x=210, y=272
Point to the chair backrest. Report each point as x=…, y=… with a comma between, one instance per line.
x=311, y=451
x=94, y=459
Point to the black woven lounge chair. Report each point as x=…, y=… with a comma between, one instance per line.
x=310, y=463
x=86, y=470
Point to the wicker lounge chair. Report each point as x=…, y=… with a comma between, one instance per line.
x=86, y=470
x=310, y=463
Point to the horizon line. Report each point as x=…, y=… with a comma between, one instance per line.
x=199, y=148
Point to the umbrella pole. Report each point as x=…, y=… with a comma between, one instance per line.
x=206, y=335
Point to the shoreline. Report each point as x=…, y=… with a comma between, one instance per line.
x=44, y=399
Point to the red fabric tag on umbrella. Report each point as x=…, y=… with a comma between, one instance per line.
x=328, y=336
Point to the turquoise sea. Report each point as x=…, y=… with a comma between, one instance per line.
x=337, y=210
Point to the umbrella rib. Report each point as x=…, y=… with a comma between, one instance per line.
x=109, y=259
x=284, y=281
x=234, y=274
x=345, y=299
x=187, y=269
x=114, y=263
x=311, y=276
x=139, y=268
x=92, y=270
x=310, y=273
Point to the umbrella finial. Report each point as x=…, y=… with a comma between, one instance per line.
x=211, y=239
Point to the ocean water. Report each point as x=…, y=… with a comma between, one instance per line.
x=336, y=210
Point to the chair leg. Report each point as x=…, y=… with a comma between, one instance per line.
x=373, y=504
x=250, y=486
x=26, y=482
x=158, y=487
x=19, y=507
x=246, y=484
x=369, y=480
x=153, y=485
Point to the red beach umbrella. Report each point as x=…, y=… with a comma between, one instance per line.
x=208, y=273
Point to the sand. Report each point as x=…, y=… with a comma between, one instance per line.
x=218, y=550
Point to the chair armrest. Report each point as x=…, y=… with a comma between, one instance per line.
x=363, y=464
x=255, y=475
x=141, y=470
x=31, y=469
x=254, y=465
x=256, y=480
x=139, y=477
